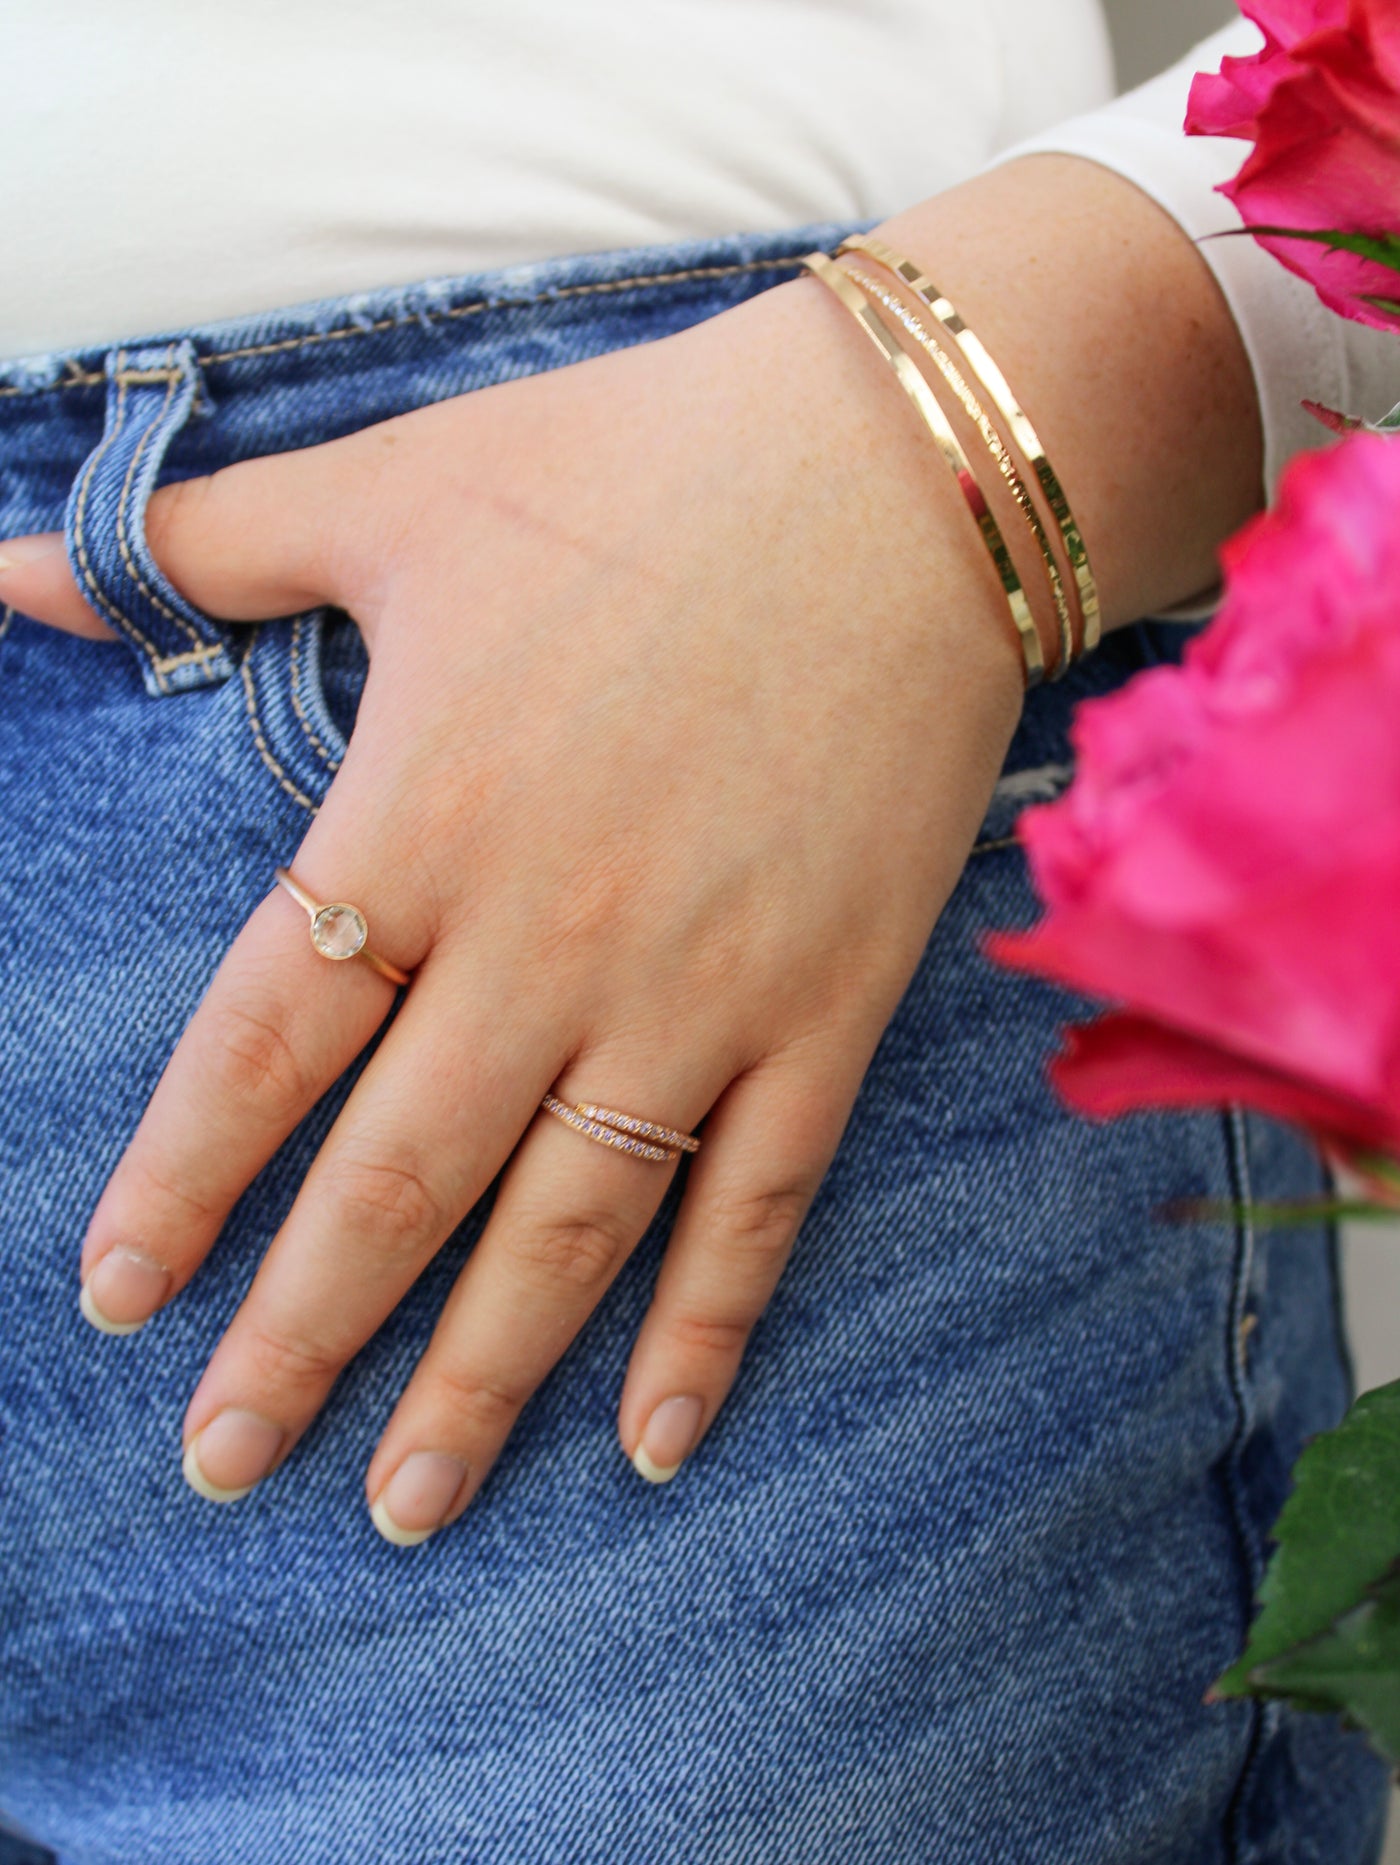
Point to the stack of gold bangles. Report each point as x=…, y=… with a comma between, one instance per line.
x=973, y=380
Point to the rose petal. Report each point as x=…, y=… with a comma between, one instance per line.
x=1122, y=1063
x=1320, y=101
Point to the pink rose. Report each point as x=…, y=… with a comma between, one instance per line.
x=1321, y=104
x=1226, y=863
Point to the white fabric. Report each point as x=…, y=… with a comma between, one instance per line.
x=168, y=162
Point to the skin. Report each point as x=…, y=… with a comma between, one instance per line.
x=690, y=682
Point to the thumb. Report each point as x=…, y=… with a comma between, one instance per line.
x=249, y=542
x=35, y=579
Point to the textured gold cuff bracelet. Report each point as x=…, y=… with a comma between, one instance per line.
x=855, y=301
x=1013, y=414
x=996, y=446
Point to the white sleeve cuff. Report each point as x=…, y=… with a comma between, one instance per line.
x=1297, y=348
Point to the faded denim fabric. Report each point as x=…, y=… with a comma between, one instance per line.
x=982, y=1520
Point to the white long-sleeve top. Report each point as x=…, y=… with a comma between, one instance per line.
x=167, y=163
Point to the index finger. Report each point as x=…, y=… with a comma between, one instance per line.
x=276, y=1027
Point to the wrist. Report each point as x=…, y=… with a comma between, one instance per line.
x=870, y=491
x=1109, y=323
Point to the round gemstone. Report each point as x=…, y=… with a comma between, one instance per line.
x=339, y=931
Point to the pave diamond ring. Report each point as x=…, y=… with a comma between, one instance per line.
x=629, y=1133
x=338, y=930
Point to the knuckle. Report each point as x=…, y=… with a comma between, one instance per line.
x=392, y=1200
x=763, y=1223
x=476, y=1404
x=148, y=1190
x=581, y=1252
x=709, y=1335
x=281, y=1363
x=256, y=1064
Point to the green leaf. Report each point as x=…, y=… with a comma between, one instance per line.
x=1353, y=1668
x=1338, y=1535
x=1278, y=1214
x=1383, y=248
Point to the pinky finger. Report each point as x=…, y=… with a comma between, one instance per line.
x=768, y=1143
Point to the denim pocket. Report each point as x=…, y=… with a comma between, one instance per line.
x=302, y=680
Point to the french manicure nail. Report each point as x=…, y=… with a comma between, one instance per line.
x=232, y=1454
x=668, y=1439
x=418, y=1497
x=124, y=1291
x=6, y=563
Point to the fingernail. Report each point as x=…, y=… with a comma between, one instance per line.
x=124, y=1291
x=418, y=1497
x=231, y=1454
x=19, y=551
x=668, y=1439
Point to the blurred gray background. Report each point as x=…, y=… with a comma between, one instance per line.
x=1148, y=35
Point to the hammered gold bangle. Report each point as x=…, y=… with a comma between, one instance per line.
x=911, y=380
x=1016, y=418
x=996, y=446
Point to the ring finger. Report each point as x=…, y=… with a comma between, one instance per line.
x=568, y=1214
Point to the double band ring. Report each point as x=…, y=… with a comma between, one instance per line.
x=338, y=930
x=629, y=1133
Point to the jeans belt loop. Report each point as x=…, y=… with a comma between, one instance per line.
x=151, y=393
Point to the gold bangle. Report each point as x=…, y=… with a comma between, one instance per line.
x=1012, y=412
x=938, y=424
x=996, y=446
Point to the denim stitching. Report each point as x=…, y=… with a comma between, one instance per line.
x=160, y=664
x=331, y=762
x=86, y=378
x=497, y=304
x=1237, y=1150
x=123, y=504
x=209, y=651
x=259, y=739
x=7, y=615
x=80, y=543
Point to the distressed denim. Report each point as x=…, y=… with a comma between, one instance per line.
x=982, y=1519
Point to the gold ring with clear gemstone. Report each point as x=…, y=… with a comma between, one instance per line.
x=338, y=930
x=629, y=1133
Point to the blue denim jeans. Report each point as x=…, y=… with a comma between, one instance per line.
x=983, y=1517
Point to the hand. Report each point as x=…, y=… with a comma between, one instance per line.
x=689, y=684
